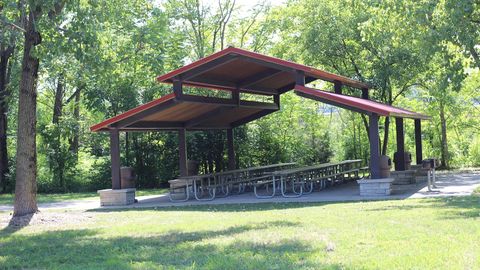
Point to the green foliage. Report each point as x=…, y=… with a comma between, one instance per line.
x=421, y=55
x=474, y=151
x=61, y=160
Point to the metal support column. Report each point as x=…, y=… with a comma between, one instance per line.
x=418, y=141
x=337, y=87
x=400, y=162
x=236, y=96
x=231, y=150
x=182, y=152
x=115, y=158
x=178, y=88
x=300, y=78
x=374, y=147
x=365, y=93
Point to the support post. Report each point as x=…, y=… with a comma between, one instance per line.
x=182, y=152
x=236, y=96
x=400, y=162
x=231, y=150
x=178, y=88
x=276, y=100
x=115, y=158
x=418, y=141
x=365, y=93
x=337, y=86
x=300, y=78
x=374, y=147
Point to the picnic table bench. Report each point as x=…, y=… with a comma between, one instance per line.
x=291, y=181
x=219, y=184
x=302, y=180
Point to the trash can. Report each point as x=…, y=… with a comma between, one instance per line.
x=407, y=158
x=385, y=166
x=127, y=177
x=430, y=163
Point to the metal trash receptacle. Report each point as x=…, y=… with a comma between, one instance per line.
x=385, y=166
x=127, y=177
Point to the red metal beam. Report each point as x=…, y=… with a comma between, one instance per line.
x=132, y=112
x=359, y=104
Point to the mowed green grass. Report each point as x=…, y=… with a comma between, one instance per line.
x=7, y=199
x=441, y=233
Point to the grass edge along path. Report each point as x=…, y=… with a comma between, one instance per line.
x=7, y=199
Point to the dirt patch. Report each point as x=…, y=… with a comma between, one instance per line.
x=44, y=219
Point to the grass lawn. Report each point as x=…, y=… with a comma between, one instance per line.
x=46, y=198
x=441, y=233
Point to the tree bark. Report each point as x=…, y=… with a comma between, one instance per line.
x=365, y=124
x=5, y=55
x=444, y=142
x=26, y=159
x=475, y=56
x=58, y=105
x=58, y=159
x=385, y=135
x=127, y=148
x=354, y=138
x=74, y=141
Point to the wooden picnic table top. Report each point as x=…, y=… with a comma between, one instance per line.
x=238, y=170
x=312, y=167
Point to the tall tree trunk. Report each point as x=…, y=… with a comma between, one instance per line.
x=74, y=141
x=354, y=138
x=385, y=135
x=5, y=54
x=475, y=56
x=444, y=142
x=26, y=159
x=365, y=125
x=57, y=158
x=58, y=104
x=3, y=148
x=127, y=148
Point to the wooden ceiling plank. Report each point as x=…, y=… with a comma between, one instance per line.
x=259, y=77
x=216, y=63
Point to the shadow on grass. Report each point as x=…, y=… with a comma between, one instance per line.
x=86, y=249
x=462, y=207
x=248, y=207
x=449, y=207
x=16, y=223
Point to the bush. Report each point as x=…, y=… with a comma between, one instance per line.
x=474, y=152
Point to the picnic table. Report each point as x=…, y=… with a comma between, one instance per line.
x=220, y=184
x=289, y=180
x=302, y=180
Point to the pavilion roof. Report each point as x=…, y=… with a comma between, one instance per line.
x=234, y=68
x=238, y=71
x=188, y=111
x=357, y=104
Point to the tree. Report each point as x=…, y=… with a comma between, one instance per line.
x=458, y=21
x=11, y=17
x=26, y=159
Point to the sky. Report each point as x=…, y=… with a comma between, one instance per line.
x=244, y=5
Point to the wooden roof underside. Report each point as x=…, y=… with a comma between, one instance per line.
x=189, y=112
x=250, y=72
x=237, y=71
